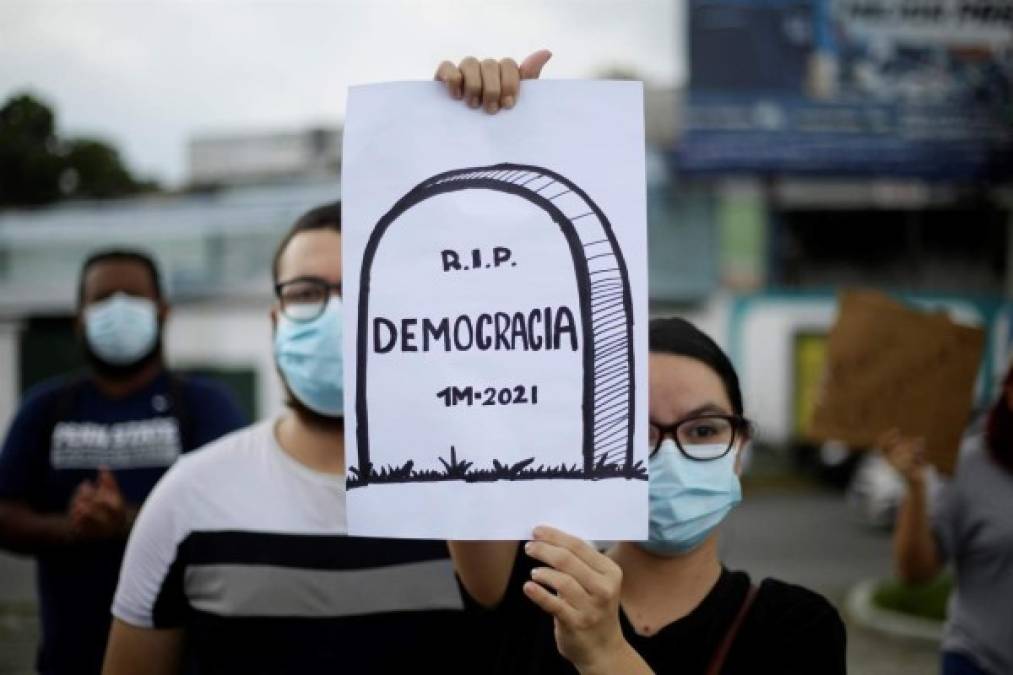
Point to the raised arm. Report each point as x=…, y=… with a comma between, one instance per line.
x=916, y=555
x=484, y=568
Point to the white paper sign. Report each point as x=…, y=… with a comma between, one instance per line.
x=495, y=288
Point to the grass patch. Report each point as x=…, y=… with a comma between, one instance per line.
x=455, y=468
x=927, y=601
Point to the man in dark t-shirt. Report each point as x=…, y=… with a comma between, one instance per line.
x=82, y=454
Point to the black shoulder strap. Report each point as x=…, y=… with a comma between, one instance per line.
x=718, y=661
x=180, y=410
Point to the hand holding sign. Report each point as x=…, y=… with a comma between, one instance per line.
x=581, y=588
x=890, y=366
x=905, y=454
x=493, y=84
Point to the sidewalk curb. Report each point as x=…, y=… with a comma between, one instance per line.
x=860, y=607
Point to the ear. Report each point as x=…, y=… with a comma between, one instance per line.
x=744, y=447
x=163, y=311
x=273, y=313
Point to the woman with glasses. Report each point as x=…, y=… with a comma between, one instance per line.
x=667, y=604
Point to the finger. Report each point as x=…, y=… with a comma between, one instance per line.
x=79, y=513
x=531, y=67
x=552, y=604
x=89, y=519
x=107, y=481
x=918, y=450
x=110, y=502
x=471, y=87
x=580, y=548
x=85, y=490
x=102, y=510
x=564, y=585
x=888, y=438
x=450, y=75
x=509, y=82
x=490, y=85
x=565, y=561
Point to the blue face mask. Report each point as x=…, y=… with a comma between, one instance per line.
x=309, y=357
x=687, y=498
x=121, y=329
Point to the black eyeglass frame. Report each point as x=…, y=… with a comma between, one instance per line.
x=740, y=426
x=325, y=286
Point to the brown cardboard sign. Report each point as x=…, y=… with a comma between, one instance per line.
x=889, y=365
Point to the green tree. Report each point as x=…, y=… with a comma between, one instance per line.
x=30, y=165
x=94, y=169
x=37, y=167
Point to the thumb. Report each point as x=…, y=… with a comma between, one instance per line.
x=107, y=481
x=531, y=67
x=85, y=490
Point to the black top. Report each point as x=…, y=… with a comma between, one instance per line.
x=788, y=630
x=62, y=433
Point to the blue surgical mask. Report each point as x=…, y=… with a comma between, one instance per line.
x=309, y=357
x=688, y=498
x=121, y=329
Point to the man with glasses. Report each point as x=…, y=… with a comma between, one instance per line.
x=242, y=551
x=83, y=452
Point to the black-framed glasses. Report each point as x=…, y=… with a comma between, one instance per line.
x=305, y=298
x=702, y=438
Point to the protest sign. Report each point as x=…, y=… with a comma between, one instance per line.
x=495, y=312
x=889, y=365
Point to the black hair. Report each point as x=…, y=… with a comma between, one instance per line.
x=674, y=335
x=324, y=217
x=119, y=255
x=999, y=429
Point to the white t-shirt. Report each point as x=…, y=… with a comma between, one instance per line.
x=245, y=548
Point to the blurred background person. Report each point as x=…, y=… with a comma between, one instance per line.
x=83, y=453
x=970, y=525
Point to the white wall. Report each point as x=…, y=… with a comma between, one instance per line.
x=237, y=336
x=9, y=377
x=764, y=336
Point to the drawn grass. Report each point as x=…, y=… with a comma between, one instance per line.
x=459, y=469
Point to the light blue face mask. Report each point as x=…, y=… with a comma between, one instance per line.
x=688, y=498
x=121, y=329
x=309, y=357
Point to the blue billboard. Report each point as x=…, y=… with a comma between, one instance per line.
x=894, y=87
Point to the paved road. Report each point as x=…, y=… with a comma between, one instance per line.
x=810, y=538
x=803, y=536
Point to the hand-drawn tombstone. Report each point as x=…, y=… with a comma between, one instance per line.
x=507, y=327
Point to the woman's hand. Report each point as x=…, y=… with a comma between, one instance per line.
x=906, y=455
x=585, y=605
x=490, y=83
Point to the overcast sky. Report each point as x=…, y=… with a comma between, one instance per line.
x=148, y=75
